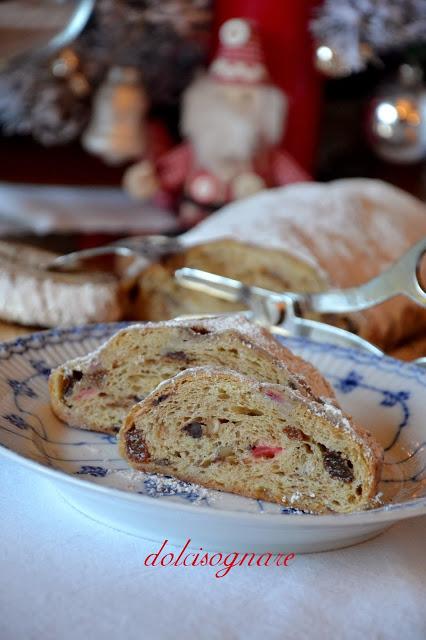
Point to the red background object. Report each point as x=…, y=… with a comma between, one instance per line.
x=283, y=26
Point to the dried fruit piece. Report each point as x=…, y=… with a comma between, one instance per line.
x=136, y=448
x=337, y=466
x=86, y=394
x=194, y=429
x=160, y=399
x=202, y=331
x=181, y=356
x=293, y=433
x=276, y=396
x=265, y=451
x=70, y=378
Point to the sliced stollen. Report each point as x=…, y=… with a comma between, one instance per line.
x=32, y=295
x=227, y=431
x=303, y=237
x=96, y=391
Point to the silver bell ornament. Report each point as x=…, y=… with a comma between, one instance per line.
x=116, y=131
x=396, y=119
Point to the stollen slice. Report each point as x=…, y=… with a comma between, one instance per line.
x=97, y=391
x=227, y=431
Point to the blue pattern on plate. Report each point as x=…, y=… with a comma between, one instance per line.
x=24, y=416
x=355, y=380
x=41, y=367
x=16, y=420
x=96, y=472
x=22, y=388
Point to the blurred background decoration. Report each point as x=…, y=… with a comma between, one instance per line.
x=396, y=119
x=350, y=34
x=31, y=29
x=86, y=101
x=162, y=41
x=372, y=56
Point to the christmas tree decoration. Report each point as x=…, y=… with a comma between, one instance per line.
x=233, y=119
x=332, y=63
x=67, y=66
x=116, y=131
x=350, y=33
x=165, y=40
x=396, y=120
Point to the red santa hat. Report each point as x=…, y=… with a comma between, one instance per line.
x=240, y=56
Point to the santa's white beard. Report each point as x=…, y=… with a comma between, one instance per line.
x=224, y=136
x=227, y=144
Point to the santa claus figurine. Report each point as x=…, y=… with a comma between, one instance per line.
x=232, y=122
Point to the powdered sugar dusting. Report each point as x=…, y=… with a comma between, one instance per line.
x=296, y=496
x=329, y=226
x=335, y=415
x=128, y=479
x=378, y=499
x=156, y=485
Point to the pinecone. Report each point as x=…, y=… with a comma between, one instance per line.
x=165, y=39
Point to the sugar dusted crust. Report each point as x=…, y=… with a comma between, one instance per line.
x=32, y=295
x=302, y=237
x=283, y=427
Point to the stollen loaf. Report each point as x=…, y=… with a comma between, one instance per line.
x=303, y=237
x=32, y=295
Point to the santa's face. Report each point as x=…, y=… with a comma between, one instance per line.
x=225, y=124
x=242, y=98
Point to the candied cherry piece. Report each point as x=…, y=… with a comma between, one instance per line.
x=265, y=451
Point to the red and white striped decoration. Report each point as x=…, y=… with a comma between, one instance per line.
x=240, y=56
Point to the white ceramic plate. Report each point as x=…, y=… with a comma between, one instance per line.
x=384, y=395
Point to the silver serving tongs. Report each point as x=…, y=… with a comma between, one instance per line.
x=284, y=311
x=139, y=250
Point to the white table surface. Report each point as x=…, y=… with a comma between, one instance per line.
x=65, y=576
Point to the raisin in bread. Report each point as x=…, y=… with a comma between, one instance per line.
x=227, y=431
x=303, y=237
x=96, y=391
x=32, y=295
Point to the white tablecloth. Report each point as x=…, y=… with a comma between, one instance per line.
x=64, y=576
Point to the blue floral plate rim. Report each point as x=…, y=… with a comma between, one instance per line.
x=39, y=339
